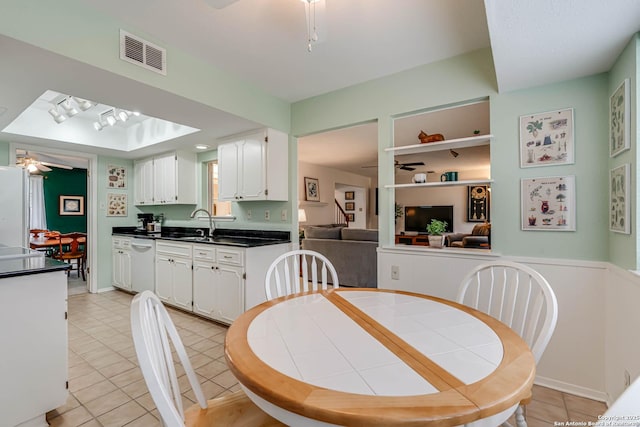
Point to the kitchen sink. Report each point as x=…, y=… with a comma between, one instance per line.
x=196, y=239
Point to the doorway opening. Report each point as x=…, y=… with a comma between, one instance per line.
x=68, y=202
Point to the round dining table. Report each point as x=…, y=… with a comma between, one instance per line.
x=376, y=357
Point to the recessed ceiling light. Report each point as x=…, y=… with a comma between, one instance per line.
x=202, y=147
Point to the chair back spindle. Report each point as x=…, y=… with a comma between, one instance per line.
x=518, y=296
x=299, y=271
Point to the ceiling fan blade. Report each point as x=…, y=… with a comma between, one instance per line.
x=55, y=165
x=406, y=168
x=372, y=166
x=413, y=164
x=42, y=167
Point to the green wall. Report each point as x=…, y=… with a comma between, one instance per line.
x=62, y=182
x=471, y=77
x=623, y=248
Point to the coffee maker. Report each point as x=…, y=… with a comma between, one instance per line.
x=145, y=221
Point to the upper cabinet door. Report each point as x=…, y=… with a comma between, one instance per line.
x=143, y=175
x=228, y=156
x=253, y=179
x=164, y=170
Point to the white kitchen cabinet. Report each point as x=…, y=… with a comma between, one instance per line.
x=218, y=282
x=33, y=327
x=214, y=281
x=254, y=167
x=168, y=178
x=174, y=280
x=121, y=262
x=143, y=177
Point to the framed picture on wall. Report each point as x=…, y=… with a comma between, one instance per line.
x=349, y=206
x=116, y=176
x=351, y=217
x=116, y=204
x=71, y=205
x=478, y=203
x=546, y=139
x=549, y=203
x=619, y=119
x=349, y=195
x=311, y=189
x=619, y=216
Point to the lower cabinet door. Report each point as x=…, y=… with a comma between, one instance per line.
x=230, y=293
x=182, y=283
x=164, y=278
x=205, y=279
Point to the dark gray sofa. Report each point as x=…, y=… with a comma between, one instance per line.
x=352, y=251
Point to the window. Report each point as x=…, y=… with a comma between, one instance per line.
x=215, y=207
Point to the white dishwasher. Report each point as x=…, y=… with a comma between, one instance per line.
x=143, y=254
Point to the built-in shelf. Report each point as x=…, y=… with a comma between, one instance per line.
x=442, y=184
x=313, y=204
x=472, y=141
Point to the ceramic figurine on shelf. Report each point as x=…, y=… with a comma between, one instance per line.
x=424, y=138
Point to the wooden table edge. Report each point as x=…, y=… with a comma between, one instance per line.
x=459, y=405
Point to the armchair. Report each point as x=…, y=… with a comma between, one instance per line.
x=480, y=237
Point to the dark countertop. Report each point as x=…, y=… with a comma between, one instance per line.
x=225, y=237
x=12, y=267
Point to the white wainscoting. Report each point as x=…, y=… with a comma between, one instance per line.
x=598, y=332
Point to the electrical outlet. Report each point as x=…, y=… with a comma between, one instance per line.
x=249, y=214
x=267, y=215
x=627, y=378
x=395, y=272
x=283, y=215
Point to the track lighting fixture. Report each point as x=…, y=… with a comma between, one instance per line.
x=64, y=107
x=454, y=153
x=59, y=118
x=111, y=116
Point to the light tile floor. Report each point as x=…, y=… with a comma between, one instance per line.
x=107, y=388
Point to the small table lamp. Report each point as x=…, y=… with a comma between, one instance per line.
x=302, y=217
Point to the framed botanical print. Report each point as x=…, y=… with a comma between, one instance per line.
x=351, y=217
x=619, y=119
x=546, y=139
x=549, y=203
x=349, y=195
x=619, y=206
x=349, y=206
x=116, y=177
x=116, y=204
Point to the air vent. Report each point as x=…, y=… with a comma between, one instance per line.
x=137, y=51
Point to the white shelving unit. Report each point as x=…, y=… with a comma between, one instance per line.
x=451, y=144
x=473, y=141
x=442, y=184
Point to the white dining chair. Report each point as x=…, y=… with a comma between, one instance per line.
x=518, y=296
x=153, y=332
x=289, y=273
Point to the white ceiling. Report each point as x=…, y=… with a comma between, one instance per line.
x=533, y=42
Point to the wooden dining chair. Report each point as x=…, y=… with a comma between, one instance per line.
x=73, y=250
x=297, y=271
x=518, y=296
x=153, y=335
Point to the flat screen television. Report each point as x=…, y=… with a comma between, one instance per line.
x=416, y=218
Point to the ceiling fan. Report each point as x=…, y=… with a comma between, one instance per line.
x=407, y=166
x=34, y=165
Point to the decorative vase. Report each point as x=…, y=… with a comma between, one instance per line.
x=436, y=241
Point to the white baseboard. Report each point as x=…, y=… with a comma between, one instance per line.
x=572, y=389
x=107, y=289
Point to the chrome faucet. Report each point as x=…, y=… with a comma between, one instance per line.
x=212, y=226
